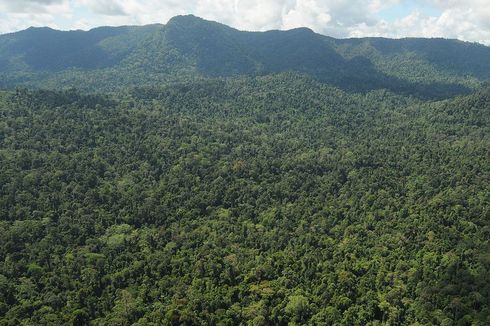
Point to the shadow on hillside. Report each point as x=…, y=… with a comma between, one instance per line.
x=302, y=51
x=363, y=77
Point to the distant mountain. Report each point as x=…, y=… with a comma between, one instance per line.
x=190, y=47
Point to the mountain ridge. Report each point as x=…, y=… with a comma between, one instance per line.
x=192, y=47
x=247, y=31
x=201, y=175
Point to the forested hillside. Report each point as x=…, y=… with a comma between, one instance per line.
x=189, y=48
x=257, y=200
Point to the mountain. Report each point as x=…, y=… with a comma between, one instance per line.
x=188, y=47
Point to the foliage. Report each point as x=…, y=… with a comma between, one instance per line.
x=266, y=200
x=189, y=47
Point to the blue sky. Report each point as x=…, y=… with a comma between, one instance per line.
x=400, y=10
x=463, y=19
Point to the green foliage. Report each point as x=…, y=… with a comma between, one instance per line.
x=189, y=48
x=254, y=201
x=297, y=307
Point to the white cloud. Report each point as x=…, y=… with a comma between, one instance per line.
x=30, y=6
x=463, y=19
x=378, y=5
x=20, y=14
x=455, y=22
x=308, y=13
x=105, y=7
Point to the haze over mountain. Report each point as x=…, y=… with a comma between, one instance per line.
x=188, y=47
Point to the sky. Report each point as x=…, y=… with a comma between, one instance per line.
x=467, y=20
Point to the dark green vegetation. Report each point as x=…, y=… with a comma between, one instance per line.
x=262, y=200
x=188, y=47
x=223, y=177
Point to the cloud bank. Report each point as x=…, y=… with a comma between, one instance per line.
x=463, y=19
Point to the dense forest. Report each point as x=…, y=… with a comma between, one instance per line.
x=277, y=199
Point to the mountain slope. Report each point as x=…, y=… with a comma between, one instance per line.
x=271, y=200
x=190, y=47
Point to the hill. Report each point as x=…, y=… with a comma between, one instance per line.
x=202, y=175
x=190, y=48
x=258, y=200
